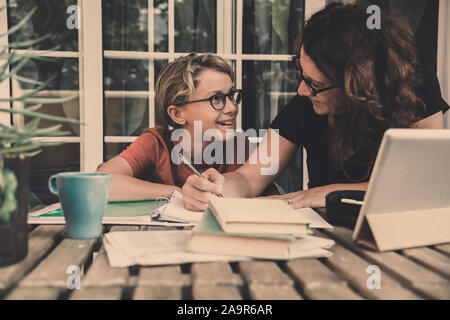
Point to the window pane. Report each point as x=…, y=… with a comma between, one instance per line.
x=161, y=22
x=113, y=149
x=126, y=116
x=270, y=27
x=195, y=26
x=268, y=87
x=50, y=161
x=159, y=64
x=50, y=18
x=125, y=25
x=126, y=103
x=63, y=74
x=125, y=75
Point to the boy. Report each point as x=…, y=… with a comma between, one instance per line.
x=194, y=95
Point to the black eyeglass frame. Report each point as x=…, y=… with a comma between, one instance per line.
x=224, y=100
x=308, y=81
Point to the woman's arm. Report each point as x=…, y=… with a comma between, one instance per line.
x=250, y=180
x=315, y=197
x=125, y=187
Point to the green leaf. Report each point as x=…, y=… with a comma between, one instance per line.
x=27, y=43
x=18, y=26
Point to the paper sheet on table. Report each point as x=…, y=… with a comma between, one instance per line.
x=150, y=248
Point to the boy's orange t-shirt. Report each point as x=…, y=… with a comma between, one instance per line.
x=149, y=157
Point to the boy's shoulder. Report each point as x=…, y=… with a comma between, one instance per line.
x=158, y=135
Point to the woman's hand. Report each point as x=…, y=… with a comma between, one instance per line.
x=313, y=198
x=197, y=190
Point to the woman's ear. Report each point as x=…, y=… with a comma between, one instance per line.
x=176, y=114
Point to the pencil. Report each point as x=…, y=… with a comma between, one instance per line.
x=191, y=167
x=352, y=201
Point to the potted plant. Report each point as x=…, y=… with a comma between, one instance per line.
x=18, y=142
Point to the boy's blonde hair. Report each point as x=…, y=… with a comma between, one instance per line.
x=178, y=80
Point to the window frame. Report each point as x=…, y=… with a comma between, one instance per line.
x=90, y=56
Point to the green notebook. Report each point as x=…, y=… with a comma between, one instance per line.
x=209, y=237
x=132, y=213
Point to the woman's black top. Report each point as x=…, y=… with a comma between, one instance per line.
x=298, y=123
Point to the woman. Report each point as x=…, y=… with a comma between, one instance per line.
x=354, y=84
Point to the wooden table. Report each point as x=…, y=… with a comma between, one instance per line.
x=419, y=273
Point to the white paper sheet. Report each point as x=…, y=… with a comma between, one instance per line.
x=150, y=248
x=176, y=211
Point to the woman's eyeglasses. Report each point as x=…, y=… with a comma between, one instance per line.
x=219, y=100
x=315, y=90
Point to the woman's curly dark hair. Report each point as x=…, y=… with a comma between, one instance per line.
x=378, y=70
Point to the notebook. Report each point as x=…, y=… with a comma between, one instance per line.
x=209, y=237
x=126, y=213
x=243, y=215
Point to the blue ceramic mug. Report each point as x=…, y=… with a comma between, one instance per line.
x=83, y=198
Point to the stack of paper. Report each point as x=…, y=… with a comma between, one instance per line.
x=209, y=237
x=150, y=248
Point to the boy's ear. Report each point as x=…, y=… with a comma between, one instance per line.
x=176, y=114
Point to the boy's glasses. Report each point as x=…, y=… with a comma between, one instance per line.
x=315, y=90
x=219, y=100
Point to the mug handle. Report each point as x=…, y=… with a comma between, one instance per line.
x=52, y=185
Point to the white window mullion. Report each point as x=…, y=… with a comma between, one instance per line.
x=4, y=86
x=151, y=65
x=239, y=22
x=171, y=30
x=443, y=53
x=91, y=85
x=312, y=6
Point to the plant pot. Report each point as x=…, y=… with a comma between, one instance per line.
x=14, y=235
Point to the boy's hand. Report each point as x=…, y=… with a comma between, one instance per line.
x=197, y=190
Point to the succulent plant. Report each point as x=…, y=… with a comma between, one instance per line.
x=23, y=138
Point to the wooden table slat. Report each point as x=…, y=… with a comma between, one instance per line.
x=160, y=283
x=101, y=274
x=52, y=271
x=97, y=293
x=158, y=293
x=357, y=276
x=213, y=274
x=33, y=294
x=223, y=292
x=273, y=292
x=41, y=240
x=319, y=282
x=430, y=258
x=409, y=273
x=163, y=276
x=444, y=248
x=263, y=273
